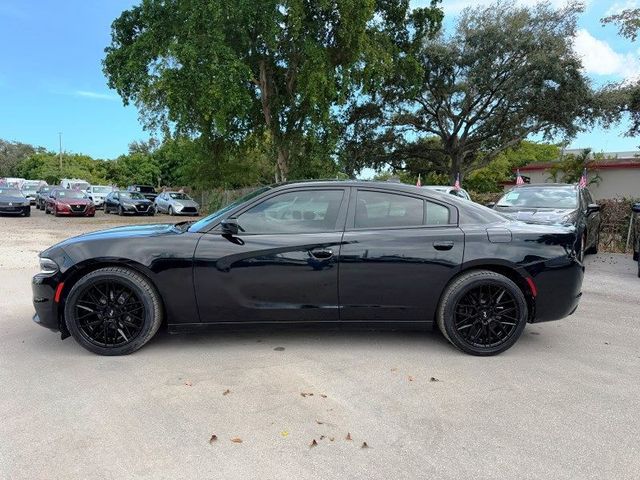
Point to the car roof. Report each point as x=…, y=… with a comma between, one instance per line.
x=547, y=185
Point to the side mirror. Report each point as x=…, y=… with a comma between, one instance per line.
x=593, y=208
x=490, y=204
x=230, y=226
x=636, y=207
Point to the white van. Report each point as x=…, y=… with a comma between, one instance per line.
x=74, y=184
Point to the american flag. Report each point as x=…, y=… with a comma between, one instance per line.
x=583, y=179
x=418, y=183
x=519, y=179
x=456, y=185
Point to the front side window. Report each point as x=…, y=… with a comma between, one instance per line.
x=384, y=210
x=304, y=211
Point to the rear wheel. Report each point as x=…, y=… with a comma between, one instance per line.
x=113, y=311
x=482, y=313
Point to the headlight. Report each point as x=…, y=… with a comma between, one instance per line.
x=27, y=202
x=48, y=266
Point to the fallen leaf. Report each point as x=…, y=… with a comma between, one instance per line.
x=319, y=422
x=313, y=443
x=284, y=433
x=434, y=379
x=322, y=437
x=331, y=439
x=236, y=440
x=188, y=383
x=606, y=343
x=306, y=394
x=410, y=378
x=323, y=395
x=214, y=438
x=394, y=369
x=348, y=437
x=226, y=392
x=364, y=445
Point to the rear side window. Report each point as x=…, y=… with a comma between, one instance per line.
x=380, y=210
x=437, y=214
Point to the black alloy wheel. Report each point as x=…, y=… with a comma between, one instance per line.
x=113, y=311
x=482, y=313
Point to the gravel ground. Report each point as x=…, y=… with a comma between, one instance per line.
x=562, y=404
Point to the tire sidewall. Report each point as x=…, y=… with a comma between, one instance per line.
x=100, y=275
x=447, y=309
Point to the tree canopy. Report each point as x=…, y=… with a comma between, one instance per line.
x=227, y=70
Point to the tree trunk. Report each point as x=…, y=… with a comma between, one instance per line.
x=457, y=160
x=282, y=165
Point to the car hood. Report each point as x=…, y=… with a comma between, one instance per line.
x=185, y=203
x=12, y=199
x=74, y=201
x=127, y=232
x=539, y=215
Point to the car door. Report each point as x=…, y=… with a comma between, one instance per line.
x=399, y=251
x=161, y=201
x=281, y=266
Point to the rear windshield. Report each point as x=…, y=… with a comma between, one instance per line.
x=542, y=197
x=97, y=189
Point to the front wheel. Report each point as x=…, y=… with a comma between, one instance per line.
x=120, y=211
x=482, y=313
x=113, y=311
x=171, y=212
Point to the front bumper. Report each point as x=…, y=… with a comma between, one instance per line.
x=44, y=291
x=15, y=210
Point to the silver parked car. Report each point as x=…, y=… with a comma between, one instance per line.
x=176, y=203
x=460, y=192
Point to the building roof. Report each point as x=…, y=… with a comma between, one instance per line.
x=613, y=163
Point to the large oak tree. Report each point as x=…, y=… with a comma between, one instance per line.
x=224, y=70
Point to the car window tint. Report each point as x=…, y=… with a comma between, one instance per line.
x=379, y=210
x=437, y=214
x=302, y=211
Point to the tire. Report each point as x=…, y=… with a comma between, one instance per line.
x=46, y=210
x=120, y=211
x=638, y=267
x=170, y=211
x=593, y=250
x=27, y=213
x=55, y=212
x=488, y=340
x=115, y=327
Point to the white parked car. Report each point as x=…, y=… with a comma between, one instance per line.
x=97, y=194
x=74, y=184
x=462, y=193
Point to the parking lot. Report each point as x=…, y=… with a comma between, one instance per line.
x=309, y=403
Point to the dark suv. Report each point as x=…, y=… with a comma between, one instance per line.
x=146, y=190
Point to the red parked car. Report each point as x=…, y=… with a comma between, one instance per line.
x=62, y=201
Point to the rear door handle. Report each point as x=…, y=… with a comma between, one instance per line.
x=447, y=245
x=321, y=253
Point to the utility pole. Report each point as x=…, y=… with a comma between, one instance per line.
x=60, y=141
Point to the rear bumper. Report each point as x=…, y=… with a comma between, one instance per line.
x=559, y=285
x=44, y=290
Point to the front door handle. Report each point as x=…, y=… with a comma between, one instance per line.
x=321, y=253
x=447, y=245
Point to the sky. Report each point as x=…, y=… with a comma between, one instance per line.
x=51, y=76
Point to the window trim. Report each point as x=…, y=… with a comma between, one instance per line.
x=351, y=215
x=340, y=219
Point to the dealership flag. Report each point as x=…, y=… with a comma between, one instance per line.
x=457, y=184
x=418, y=183
x=519, y=179
x=583, y=179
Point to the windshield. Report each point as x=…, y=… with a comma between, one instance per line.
x=179, y=196
x=133, y=195
x=72, y=194
x=542, y=197
x=99, y=189
x=144, y=189
x=11, y=192
x=44, y=189
x=216, y=215
x=30, y=189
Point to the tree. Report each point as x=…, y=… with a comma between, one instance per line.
x=619, y=99
x=506, y=73
x=224, y=70
x=571, y=167
x=11, y=153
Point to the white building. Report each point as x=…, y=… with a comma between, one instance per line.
x=619, y=174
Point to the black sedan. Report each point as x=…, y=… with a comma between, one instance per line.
x=128, y=203
x=13, y=202
x=314, y=252
x=42, y=195
x=551, y=203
